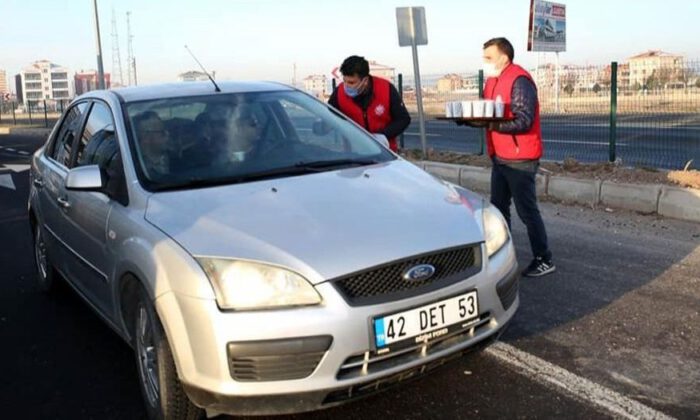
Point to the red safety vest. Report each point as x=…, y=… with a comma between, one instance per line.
x=378, y=114
x=525, y=146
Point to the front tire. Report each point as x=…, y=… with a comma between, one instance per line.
x=162, y=391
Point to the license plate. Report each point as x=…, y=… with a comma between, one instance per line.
x=426, y=322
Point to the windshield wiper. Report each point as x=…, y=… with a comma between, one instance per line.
x=301, y=168
x=237, y=179
x=326, y=164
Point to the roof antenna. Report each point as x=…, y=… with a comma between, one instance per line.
x=216, y=87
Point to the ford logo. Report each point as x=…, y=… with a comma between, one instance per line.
x=419, y=273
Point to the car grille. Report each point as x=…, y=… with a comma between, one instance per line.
x=274, y=368
x=385, y=283
x=363, y=389
x=276, y=360
x=372, y=362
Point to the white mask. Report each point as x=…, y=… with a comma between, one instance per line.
x=490, y=70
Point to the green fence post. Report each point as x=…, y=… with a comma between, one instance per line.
x=29, y=110
x=613, y=111
x=46, y=116
x=333, y=84
x=481, y=96
x=400, y=81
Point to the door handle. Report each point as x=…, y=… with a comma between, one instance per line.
x=38, y=183
x=63, y=202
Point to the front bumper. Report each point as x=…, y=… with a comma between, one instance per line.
x=202, y=338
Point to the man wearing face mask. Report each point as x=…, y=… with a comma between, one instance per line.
x=372, y=102
x=515, y=148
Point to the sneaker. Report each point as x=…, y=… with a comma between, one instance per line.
x=539, y=267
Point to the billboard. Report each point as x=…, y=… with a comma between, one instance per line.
x=547, y=26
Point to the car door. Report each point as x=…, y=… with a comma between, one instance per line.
x=88, y=212
x=52, y=170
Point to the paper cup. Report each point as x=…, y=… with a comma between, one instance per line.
x=478, y=109
x=466, y=109
x=448, y=110
x=500, y=108
x=456, y=109
x=489, y=108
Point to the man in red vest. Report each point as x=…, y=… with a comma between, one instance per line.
x=372, y=102
x=515, y=148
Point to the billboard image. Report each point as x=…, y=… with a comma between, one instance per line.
x=547, y=26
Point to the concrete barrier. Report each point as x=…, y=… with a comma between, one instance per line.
x=674, y=202
x=680, y=203
x=541, y=184
x=446, y=171
x=638, y=197
x=475, y=178
x=582, y=191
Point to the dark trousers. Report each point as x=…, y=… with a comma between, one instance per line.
x=518, y=183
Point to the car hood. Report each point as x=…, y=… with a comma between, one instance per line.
x=322, y=225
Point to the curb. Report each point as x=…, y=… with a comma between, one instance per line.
x=673, y=202
x=680, y=203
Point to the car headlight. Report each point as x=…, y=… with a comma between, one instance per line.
x=495, y=230
x=243, y=285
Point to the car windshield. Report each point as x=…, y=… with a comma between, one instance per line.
x=231, y=138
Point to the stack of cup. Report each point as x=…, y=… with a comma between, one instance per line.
x=475, y=109
x=466, y=109
x=478, y=109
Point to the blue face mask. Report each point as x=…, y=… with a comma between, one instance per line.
x=351, y=92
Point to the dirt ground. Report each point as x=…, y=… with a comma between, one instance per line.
x=573, y=168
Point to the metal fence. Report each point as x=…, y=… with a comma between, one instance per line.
x=42, y=113
x=642, y=113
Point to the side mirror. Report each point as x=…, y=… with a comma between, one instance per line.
x=320, y=128
x=85, y=178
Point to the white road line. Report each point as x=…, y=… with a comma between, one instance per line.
x=582, y=389
x=22, y=152
x=9, y=149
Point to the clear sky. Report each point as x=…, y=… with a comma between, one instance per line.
x=262, y=39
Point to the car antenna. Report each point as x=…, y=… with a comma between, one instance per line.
x=216, y=87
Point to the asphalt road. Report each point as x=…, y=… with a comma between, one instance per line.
x=662, y=140
x=621, y=314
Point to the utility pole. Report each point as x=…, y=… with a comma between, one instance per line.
x=100, y=68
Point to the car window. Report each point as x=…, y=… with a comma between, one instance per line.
x=310, y=129
x=242, y=136
x=98, y=143
x=63, y=142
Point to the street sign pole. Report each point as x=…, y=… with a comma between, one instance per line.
x=419, y=99
x=412, y=31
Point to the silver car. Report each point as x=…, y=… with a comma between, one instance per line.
x=261, y=253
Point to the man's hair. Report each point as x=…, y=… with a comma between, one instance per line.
x=503, y=45
x=355, y=65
